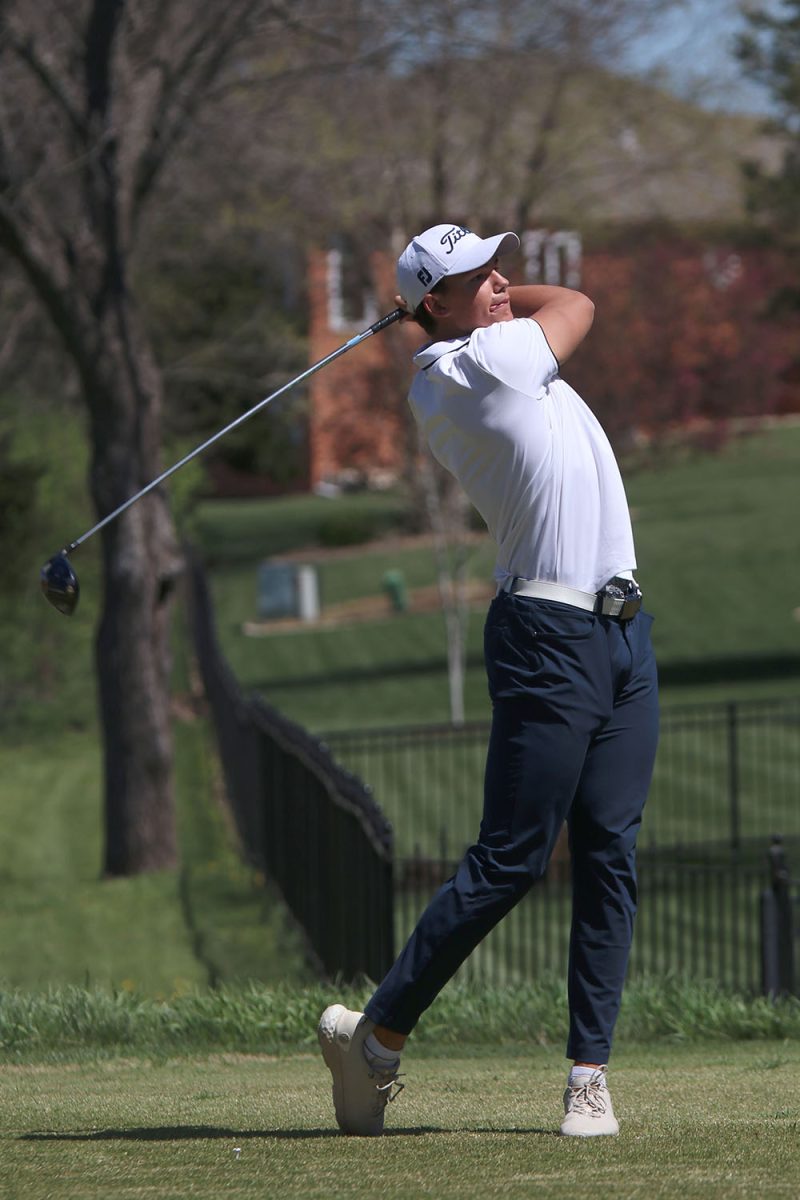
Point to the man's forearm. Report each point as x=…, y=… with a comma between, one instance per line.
x=564, y=315
x=528, y=298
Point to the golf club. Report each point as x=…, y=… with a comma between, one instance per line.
x=58, y=579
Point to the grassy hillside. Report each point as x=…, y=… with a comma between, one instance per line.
x=718, y=543
x=719, y=558
x=209, y=922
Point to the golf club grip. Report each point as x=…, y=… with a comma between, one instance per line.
x=389, y=319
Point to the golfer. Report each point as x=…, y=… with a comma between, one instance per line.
x=570, y=667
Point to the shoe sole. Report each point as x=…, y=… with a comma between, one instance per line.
x=326, y=1035
x=328, y=1041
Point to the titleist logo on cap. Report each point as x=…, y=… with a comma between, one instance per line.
x=452, y=236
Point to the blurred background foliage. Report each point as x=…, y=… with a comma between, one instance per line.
x=334, y=123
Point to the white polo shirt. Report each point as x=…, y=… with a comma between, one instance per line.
x=530, y=455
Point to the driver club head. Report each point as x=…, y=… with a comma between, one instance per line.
x=60, y=584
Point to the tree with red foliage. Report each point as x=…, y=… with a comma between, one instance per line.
x=683, y=338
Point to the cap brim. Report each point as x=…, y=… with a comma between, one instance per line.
x=476, y=255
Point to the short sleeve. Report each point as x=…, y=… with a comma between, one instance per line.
x=516, y=353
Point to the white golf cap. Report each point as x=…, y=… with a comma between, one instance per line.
x=445, y=250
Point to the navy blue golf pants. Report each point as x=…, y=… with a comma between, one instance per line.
x=574, y=732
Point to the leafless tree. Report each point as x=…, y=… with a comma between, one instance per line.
x=512, y=111
x=97, y=100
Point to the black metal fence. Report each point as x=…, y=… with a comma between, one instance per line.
x=727, y=777
x=699, y=915
x=780, y=927
x=301, y=817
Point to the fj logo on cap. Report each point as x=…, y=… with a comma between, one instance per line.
x=424, y=276
x=452, y=236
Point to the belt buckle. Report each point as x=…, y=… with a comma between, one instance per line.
x=622, y=603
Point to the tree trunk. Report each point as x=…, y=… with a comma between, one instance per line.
x=140, y=562
x=447, y=535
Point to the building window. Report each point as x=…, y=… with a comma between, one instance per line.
x=351, y=299
x=552, y=257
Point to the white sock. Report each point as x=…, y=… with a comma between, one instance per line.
x=581, y=1074
x=376, y=1049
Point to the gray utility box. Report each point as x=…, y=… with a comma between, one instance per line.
x=288, y=590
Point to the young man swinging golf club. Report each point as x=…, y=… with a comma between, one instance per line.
x=570, y=667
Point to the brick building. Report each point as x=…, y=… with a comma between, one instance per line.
x=358, y=425
x=681, y=336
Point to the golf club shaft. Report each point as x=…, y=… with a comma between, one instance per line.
x=389, y=319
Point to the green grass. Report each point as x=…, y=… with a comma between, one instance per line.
x=357, y=675
x=431, y=787
x=719, y=557
x=75, y=1024
x=718, y=548
x=230, y=530
x=162, y=932
x=58, y=920
x=703, y=1123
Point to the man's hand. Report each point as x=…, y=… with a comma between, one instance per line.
x=408, y=316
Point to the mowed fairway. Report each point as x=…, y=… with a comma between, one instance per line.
x=710, y=1120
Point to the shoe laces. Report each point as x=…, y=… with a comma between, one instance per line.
x=385, y=1089
x=589, y=1096
x=389, y=1078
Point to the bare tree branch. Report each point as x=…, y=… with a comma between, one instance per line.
x=195, y=71
x=59, y=302
x=539, y=153
x=19, y=323
x=26, y=51
x=101, y=30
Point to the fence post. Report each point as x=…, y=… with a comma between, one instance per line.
x=777, y=931
x=733, y=773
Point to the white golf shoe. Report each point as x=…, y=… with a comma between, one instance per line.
x=587, y=1108
x=361, y=1087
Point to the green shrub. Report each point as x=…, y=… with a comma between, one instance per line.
x=347, y=528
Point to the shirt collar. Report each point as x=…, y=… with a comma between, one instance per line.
x=426, y=356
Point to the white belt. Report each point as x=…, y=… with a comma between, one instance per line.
x=541, y=589
x=620, y=598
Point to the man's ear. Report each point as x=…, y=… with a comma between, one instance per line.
x=434, y=305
